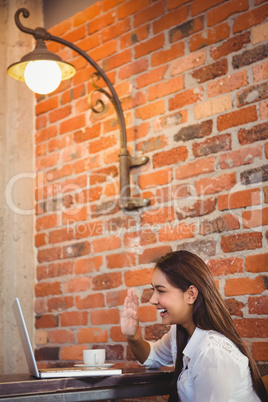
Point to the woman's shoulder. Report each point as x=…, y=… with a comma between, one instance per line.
x=223, y=347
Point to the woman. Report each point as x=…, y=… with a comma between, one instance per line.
x=211, y=362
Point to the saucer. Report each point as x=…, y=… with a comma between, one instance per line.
x=104, y=365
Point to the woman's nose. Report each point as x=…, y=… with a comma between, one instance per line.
x=153, y=299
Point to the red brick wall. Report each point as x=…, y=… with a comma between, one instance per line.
x=192, y=78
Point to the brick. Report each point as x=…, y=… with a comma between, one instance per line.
x=86, y=15
x=255, y=218
x=150, y=110
x=47, y=105
x=107, y=281
x=260, y=71
x=75, y=35
x=184, y=30
x=47, y=289
x=58, y=236
x=260, y=351
x=117, y=60
x=224, y=11
x=170, y=120
x=149, y=13
x=151, y=255
x=60, y=303
x=59, y=143
x=89, y=42
x=101, y=144
x=134, y=68
x=152, y=144
x=46, y=321
x=101, y=22
x=258, y=305
x=243, y=156
x=94, y=300
x=215, y=184
x=239, y=199
x=138, y=277
x=171, y=19
x=226, y=266
x=173, y=232
x=131, y=7
x=210, y=36
x=76, y=249
x=61, y=28
x=109, y=316
x=74, y=318
x=237, y=118
x=87, y=265
x=255, y=175
x=184, y=98
x=147, y=313
x=255, y=93
x=194, y=131
x=212, y=145
x=211, y=71
x=165, y=88
x=116, y=298
x=164, y=56
x=242, y=286
x=192, y=169
x=110, y=243
x=116, y=334
x=73, y=353
x=92, y=335
x=74, y=123
x=41, y=337
x=140, y=238
x=60, y=269
x=232, y=45
x=77, y=285
x=256, y=133
x=115, y=30
x=144, y=48
x=121, y=260
x=188, y=62
x=106, y=208
x=198, y=7
x=136, y=36
x=241, y=241
x=154, y=179
x=256, y=263
x=174, y=156
x=250, y=18
x=206, y=248
x=155, y=332
x=159, y=215
x=227, y=84
x=48, y=353
x=46, y=134
x=61, y=336
x=40, y=240
x=249, y=57
x=252, y=327
x=224, y=223
x=197, y=208
x=260, y=33
x=103, y=51
x=234, y=307
x=40, y=122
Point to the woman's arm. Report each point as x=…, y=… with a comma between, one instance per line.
x=130, y=325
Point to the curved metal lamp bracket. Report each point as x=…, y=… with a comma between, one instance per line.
x=126, y=161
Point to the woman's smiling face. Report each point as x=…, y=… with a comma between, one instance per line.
x=175, y=306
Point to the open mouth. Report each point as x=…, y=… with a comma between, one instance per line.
x=163, y=312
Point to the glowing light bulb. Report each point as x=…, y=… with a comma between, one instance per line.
x=42, y=76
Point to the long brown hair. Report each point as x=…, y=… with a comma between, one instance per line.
x=183, y=269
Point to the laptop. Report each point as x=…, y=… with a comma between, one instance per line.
x=53, y=372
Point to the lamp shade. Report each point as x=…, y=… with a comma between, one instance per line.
x=27, y=69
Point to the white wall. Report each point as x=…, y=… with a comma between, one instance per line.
x=17, y=255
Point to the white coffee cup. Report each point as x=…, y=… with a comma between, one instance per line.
x=94, y=357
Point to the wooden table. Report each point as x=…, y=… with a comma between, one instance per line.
x=133, y=383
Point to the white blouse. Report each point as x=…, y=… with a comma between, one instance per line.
x=214, y=369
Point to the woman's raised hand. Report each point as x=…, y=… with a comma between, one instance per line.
x=129, y=316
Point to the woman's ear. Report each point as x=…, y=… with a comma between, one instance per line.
x=192, y=292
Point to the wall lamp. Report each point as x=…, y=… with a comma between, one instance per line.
x=51, y=65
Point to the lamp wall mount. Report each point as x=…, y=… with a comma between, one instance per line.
x=126, y=161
